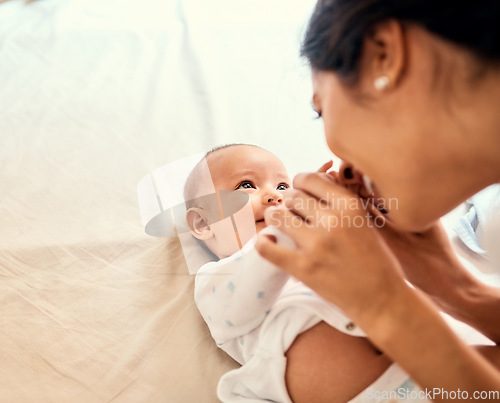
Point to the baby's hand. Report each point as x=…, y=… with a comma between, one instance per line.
x=325, y=167
x=348, y=177
x=331, y=175
x=361, y=185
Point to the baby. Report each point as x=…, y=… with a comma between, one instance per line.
x=292, y=345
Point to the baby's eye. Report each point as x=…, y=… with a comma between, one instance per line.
x=245, y=185
x=282, y=186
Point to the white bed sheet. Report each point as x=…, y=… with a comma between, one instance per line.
x=95, y=94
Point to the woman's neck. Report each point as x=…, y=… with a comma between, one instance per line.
x=478, y=117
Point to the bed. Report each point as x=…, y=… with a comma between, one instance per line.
x=95, y=95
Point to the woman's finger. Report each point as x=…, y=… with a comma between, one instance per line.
x=319, y=186
x=305, y=205
x=377, y=210
x=289, y=223
x=328, y=189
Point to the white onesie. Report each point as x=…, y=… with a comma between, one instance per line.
x=254, y=312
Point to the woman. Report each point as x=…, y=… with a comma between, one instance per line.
x=409, y=92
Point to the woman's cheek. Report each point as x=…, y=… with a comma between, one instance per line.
x=332, y=136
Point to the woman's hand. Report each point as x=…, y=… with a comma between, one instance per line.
x=347, y=249
x=428, y=260
x=430, y=263
x=340, y=253
x=345, y=258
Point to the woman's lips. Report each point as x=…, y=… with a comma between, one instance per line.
x=371, y=189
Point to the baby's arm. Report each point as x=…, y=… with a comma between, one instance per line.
x=235, y=294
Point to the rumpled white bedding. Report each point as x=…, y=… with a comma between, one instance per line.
x=94, y=95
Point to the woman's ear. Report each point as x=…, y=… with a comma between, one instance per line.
x=384, y=55
x=198, y=224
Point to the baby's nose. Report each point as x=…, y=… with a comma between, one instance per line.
x=273, y=199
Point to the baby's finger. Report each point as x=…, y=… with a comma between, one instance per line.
x=354, y=180
x=333, y=176
x=325, y=167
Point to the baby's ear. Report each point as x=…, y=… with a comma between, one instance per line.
x=197, y=223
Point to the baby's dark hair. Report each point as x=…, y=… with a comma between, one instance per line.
x=193, y=180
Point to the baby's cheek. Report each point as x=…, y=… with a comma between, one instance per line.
x=245, y=223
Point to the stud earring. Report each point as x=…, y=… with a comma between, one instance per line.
x=381, y=83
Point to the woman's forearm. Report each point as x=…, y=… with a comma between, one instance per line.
x=491, y=353
x=474, y=303
x=412, y=333
x=480, y=308
x=431, y=264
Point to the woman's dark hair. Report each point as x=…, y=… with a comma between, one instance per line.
x=337, y=28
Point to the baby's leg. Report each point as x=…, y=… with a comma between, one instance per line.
x=326, y=365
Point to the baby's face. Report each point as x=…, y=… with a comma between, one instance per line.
x=256, y=172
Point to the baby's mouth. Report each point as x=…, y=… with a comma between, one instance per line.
x=260, y=223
